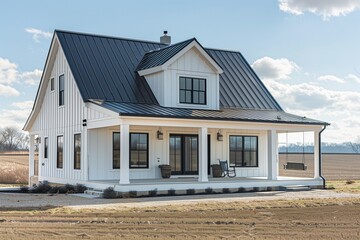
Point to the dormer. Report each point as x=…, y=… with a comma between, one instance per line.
x=182, y=75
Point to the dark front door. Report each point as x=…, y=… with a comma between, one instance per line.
x=184, y=155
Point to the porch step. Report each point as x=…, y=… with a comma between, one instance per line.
x=293, y=188
x=94, y=192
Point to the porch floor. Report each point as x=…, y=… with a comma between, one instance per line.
x=183, y=183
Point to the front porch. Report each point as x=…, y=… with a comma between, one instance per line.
x=217, y=184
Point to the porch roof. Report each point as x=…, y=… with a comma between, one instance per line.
x=227, y=114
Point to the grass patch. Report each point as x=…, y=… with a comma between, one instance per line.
x=351, y=186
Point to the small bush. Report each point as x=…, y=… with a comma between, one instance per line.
x=190, y=191
x=41, y=188
x=350, y=181
x=80, y=188
x=109, y=193
x=24, y=189
x=70, y=188
x=133, y=194
x=256, y=189
x=54, y=190
x=153, y=193
x=226, y=190
x=241, y=190
x=209, y=190
x=171, y=192
x=62, y=190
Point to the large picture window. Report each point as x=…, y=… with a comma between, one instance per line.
x=192, y=90
x=60, y=152
x=61, y=90
x=116, y=150
x=243, y=151
x=139, y=150
x=77, y=151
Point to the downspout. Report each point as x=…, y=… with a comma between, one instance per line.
x=320, y=159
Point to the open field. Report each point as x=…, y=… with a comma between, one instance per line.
x=276, y=219
x=14, y=167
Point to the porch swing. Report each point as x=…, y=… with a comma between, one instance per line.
x=295, y=165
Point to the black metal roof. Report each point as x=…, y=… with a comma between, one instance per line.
x=248, y=115
x=105, y=68
x=160, y=56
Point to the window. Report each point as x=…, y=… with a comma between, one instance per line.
x=61, y=90
x=52, y=86
x=192, y=90
x=244, y=151
x=116, y=150
x=77, y=151
x=139, y=150
x=46, y=147
x=60, y=152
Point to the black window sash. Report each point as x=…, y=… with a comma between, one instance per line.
x=46, y=147
x=192, y=90
x=242, y=152
x=77, y=151
x=61, y=90
x=60, y=151
x=146, y=150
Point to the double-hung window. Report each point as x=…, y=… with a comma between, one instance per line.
x=60, y=152
x=243, y=151
x=77, y=151
x=139, y=150
x=61, y=90
x=192, y=90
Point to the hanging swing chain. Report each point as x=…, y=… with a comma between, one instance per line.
x=287, y=147
x=303, y=153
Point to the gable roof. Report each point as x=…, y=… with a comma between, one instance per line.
x=106, y=67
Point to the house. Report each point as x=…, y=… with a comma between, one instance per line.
x=110, y=110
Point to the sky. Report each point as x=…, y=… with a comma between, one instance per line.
x=305, y=51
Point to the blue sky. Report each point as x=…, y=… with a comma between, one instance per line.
x=306, y=51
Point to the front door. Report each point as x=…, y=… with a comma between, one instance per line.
x=184, y=155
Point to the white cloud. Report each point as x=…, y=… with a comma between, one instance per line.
x=31, y=78
x=23, y=105
x=324, y=8
x=8, y=71
x=274, y=69
x=8, y=91
x=353, y=78
x=37, y=34
x=331, y=78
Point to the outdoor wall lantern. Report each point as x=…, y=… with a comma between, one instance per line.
x=219, y=136
x=37, y=140
x=160, y=134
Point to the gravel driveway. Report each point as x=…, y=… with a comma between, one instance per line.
x=21, y=200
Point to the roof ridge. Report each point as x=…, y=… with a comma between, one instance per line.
x=171, y=45
x=108, y=36
x=223, y=50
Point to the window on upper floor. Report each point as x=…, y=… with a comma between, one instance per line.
x=61, y=90
x=52, y=86
x=192, y=90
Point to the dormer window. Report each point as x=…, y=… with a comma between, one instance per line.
x=192, y=90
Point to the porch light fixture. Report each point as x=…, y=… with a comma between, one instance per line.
x=160, y=135
x=219, y=136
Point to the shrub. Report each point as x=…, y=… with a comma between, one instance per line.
x=62, y=190
x=133, y=194
x=153, y=193
x=256, y=189
x=241, y=190
x=209, y=190
x=41, y=188
x=171, y=192
x=24, y=189
x=54, y=190
x=350, y=181
x=109, y=193
x=226, y=190
x=70, y=188
x=80, y=188
x=190, y=191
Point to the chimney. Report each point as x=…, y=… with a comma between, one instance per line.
x=165, y=39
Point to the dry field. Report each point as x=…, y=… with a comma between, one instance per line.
x=14, y=168
x=280, y=219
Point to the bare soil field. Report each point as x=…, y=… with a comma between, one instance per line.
x=335, y=166
x=14, y=167
x=296, y=219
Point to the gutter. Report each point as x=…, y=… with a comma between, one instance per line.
x=320, y=159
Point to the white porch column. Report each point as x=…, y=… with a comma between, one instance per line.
x=316, y=154
x=203, y=158
x=31, y=156
x=124, y=154
x=273, y=164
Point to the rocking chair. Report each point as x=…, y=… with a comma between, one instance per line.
x=225, y=169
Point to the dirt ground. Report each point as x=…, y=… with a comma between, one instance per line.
x=281, y=219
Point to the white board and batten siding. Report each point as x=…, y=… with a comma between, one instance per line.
x=54, y=120
x=165, y=84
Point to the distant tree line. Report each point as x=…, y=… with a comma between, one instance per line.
x=12, y=139
x=347, y=147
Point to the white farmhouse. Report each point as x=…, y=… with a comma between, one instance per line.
x=110, y=110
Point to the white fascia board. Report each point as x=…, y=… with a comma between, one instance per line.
x=43, y=83
x=151, y=70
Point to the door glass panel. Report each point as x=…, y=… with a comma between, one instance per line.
x=191, y=154
x=175, y=153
